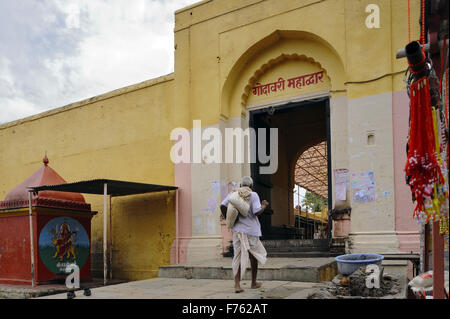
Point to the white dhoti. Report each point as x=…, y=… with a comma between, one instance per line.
x=244, y=244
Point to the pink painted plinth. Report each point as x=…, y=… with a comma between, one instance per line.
x=406, y=227
x=227, y=236
x=183, y=181
x=341, y=226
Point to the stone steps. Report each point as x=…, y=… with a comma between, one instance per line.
x=296, y=249
x=302, y=254
x=302, y=248
x=307, y=243
x=282, y=269
x=299, y=248
x=294, y=244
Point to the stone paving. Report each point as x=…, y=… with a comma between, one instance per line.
x=26, y=291
x=181, y=288
x=278, y=269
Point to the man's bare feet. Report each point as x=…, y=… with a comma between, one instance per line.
x=256, y=285
x=238, y=289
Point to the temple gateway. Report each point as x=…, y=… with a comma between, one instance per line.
x=315, y=70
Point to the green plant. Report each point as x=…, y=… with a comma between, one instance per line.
x=314, y=202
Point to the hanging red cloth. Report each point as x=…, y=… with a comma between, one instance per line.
x=422, y=165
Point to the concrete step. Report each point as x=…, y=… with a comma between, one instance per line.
x=284, y=269
x=281, y=247
x=337, y=250
x=296, y=249
x=300, y=243
x=302, y=254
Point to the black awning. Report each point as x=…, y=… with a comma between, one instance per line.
x=114, y=187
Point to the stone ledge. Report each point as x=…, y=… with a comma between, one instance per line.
x=281, y=269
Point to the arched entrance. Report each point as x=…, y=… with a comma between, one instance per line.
x=311, y=192
x=284, y=81
x=302, y=126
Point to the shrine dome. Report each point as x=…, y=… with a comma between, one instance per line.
x=45, y=175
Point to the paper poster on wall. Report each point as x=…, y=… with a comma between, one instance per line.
x=341, y=183
x=363, y=187
x=215, y=187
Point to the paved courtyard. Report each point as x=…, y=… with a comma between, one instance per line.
x=181, y=288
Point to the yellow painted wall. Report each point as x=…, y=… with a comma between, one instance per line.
x=121, y=135
x=144, y=229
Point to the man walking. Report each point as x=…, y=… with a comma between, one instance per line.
x=246, y=233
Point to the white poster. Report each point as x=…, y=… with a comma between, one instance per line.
x=341, y=183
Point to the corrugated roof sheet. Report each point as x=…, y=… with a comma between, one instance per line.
x=311, y=170
x=115, y=187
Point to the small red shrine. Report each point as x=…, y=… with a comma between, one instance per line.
x=61, y=230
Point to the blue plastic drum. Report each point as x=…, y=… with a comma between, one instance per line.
x=347, y=264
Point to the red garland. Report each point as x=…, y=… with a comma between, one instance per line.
x=422, y=165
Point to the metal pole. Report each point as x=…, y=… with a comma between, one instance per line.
x=314, y=231
x=176, y=228
x=438, y=263
x=31, y=238
x=105, y=231
x=299, y=207
x=110, y=239
x=402, y=52
x=427, y=245
x=329, y=169
x=422, y=249
x=307, y=212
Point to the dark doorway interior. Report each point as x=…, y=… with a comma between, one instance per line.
x=300, y=126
